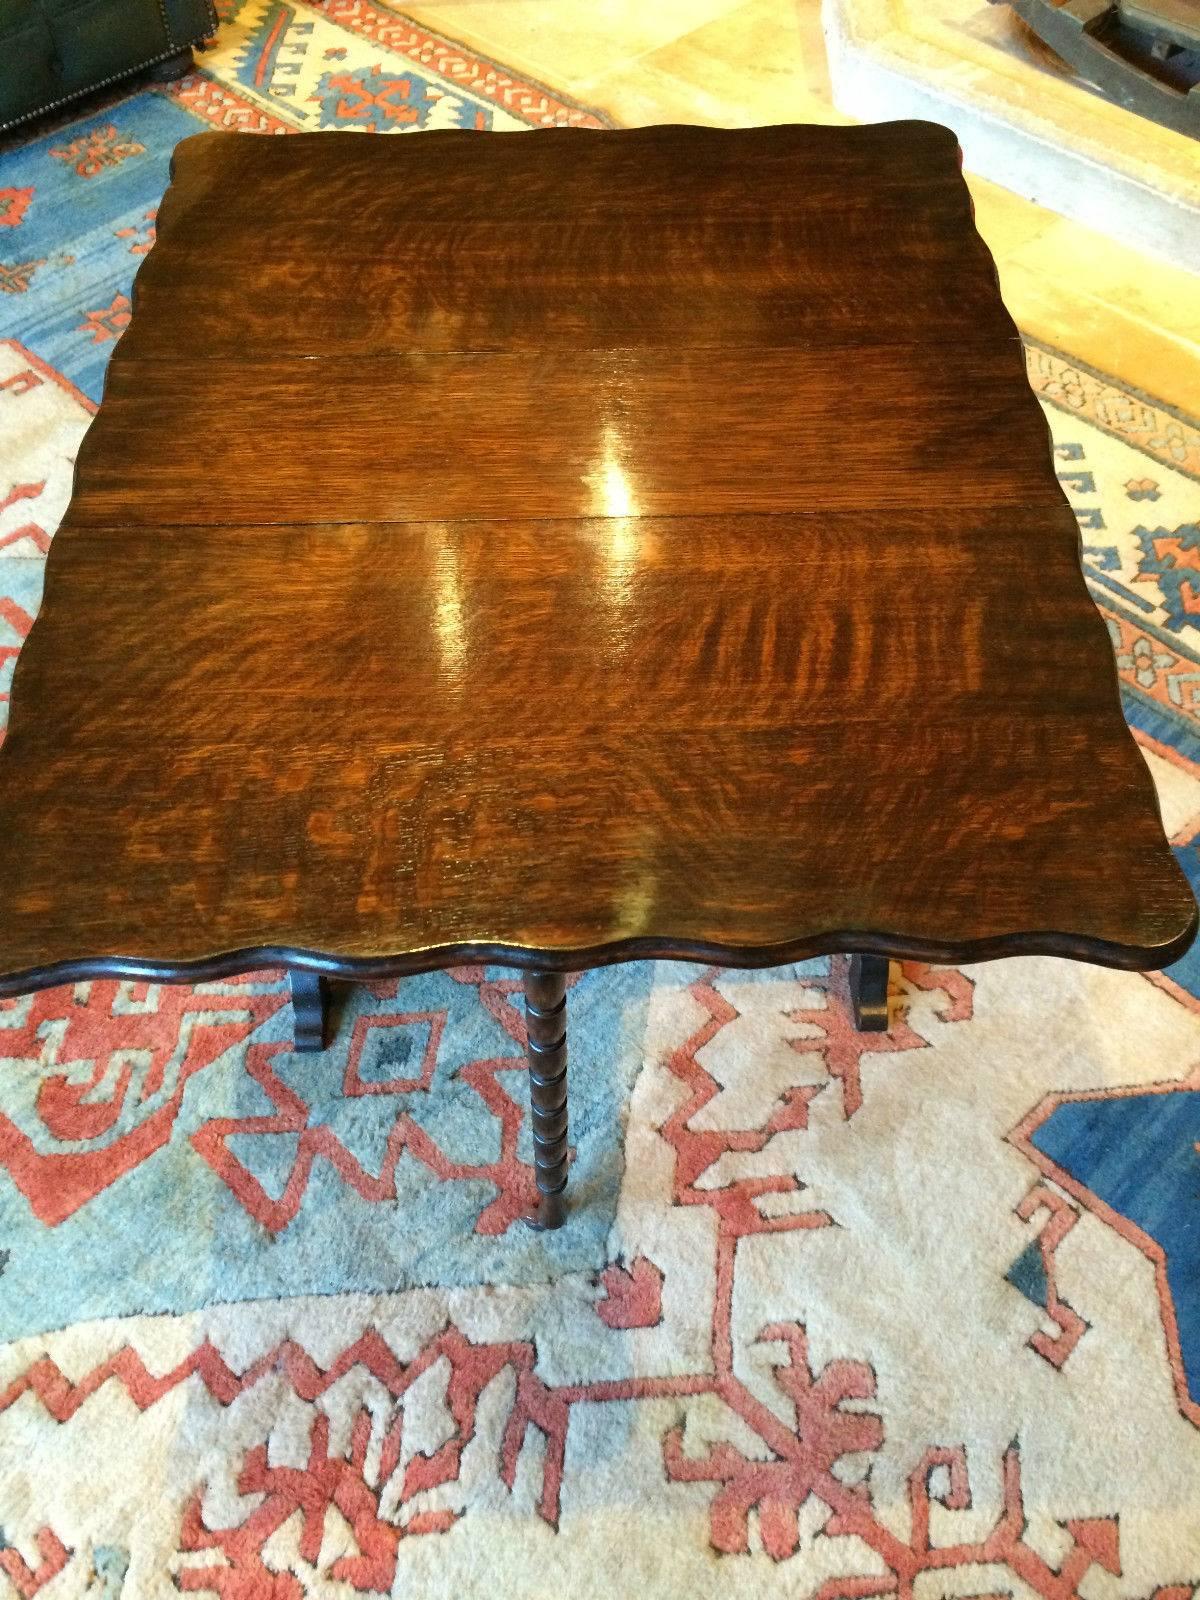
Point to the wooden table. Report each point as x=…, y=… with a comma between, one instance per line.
x=563, y=550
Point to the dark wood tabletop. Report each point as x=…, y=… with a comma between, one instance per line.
x=564, y=548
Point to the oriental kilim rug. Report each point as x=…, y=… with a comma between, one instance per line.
x=836, y=1315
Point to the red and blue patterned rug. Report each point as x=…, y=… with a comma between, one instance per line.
x=835, y=1315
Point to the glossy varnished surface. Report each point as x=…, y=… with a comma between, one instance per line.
x=651, y=240
x=566, y=434
x=678, y=567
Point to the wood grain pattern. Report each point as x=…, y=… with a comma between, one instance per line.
x=551, y=250
x=741, y=635
x=453, y=436
x=693, y=282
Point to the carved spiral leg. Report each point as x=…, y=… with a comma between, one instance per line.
x=869, y=993
x=546, y=1022
x=308, y=1009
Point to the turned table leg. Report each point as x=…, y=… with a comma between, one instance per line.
x=309, y=1009
x=869, y=993
x=546, y=1025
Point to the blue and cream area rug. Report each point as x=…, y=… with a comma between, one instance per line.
x=840, y=1316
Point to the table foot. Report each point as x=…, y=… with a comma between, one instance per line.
x=546, y=1027
x=551, y=1213
x=869, y=993
x=176, y=66
x=310, y=1009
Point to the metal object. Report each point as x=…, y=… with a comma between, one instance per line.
x=1141, y=54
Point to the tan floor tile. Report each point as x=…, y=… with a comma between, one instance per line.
x=1144, y=288
x=568, y=43
x=1006, y=220
x=1145, y=354
x=763, y=62
x=1073, y=288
